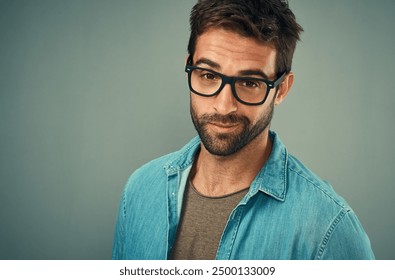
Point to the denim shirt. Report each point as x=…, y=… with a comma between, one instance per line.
x=288, y=213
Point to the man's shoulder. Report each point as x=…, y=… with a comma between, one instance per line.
x=304, y=179
x=299, y=169
x=288, y=176
x=337, y=227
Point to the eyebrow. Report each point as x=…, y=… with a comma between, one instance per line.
x=216, y=66
x=254, y=72
x=208, y=62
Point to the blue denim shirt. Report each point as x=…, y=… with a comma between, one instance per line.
x=288, y=213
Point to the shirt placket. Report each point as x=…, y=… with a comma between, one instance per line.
x=172, y=221
x=229, y=234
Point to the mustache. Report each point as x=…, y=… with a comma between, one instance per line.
x=224, y=119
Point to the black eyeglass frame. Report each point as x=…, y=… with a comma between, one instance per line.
x=232, y=80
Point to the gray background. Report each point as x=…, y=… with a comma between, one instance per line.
x=90, y=90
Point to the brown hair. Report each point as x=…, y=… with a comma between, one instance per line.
x=269, y=21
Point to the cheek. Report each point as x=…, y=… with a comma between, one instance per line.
x=254, y=118
x=256, y=115
x=251, y=112
x=195, y=107
x=200, y=104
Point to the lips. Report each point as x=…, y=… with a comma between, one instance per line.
x=224, y=125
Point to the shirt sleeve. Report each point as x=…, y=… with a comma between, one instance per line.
x=119, y=236
x=345, y=240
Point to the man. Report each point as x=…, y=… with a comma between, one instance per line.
x=234, y=192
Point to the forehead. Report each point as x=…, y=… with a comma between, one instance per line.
x=234, y=52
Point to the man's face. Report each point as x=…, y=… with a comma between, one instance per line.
x=224, y=125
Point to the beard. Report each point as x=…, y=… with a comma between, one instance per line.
x=226, y=144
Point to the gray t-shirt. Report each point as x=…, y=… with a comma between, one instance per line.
x=203, y=220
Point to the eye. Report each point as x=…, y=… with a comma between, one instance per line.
x=209, y=76
x=250, y=83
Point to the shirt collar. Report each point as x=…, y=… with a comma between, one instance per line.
x=271, y=179
x=183, y=158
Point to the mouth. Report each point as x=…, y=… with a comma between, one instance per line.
x=223, y=127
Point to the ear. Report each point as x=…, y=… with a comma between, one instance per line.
x=284, y=88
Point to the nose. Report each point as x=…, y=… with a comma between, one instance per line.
x=225, y=102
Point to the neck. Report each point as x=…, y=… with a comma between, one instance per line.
x=218, y=175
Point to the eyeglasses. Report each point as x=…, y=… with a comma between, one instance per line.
x=247, y=90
